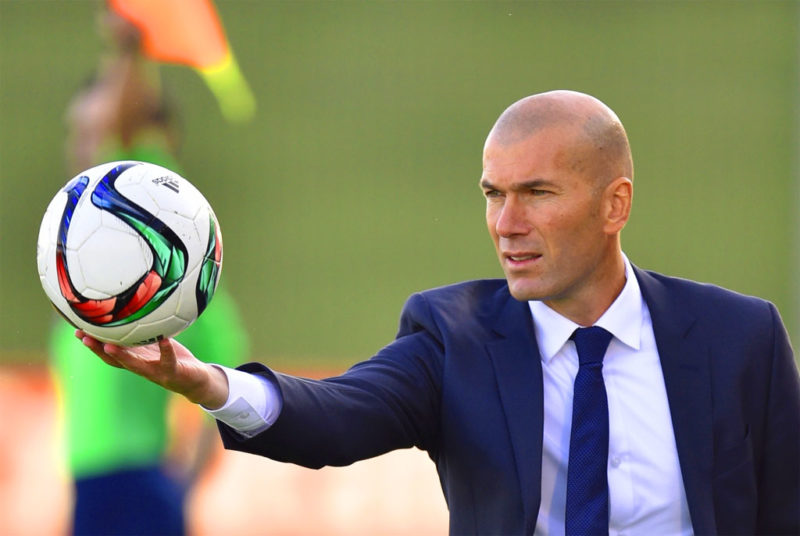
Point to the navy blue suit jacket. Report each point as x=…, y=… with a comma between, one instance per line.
x=463, y=381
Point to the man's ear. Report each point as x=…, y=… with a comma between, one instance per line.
x=618, y=198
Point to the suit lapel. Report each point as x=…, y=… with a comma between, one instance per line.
x=517, y=365
x=685, y=364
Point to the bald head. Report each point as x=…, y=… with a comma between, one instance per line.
x=600, y=145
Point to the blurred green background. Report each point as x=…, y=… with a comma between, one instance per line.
x=356, y=183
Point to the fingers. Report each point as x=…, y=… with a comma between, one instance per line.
x=156, y=362
x=163, y=363
x=113, y=354
x=168, y=357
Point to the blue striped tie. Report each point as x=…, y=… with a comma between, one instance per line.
x=587, y=477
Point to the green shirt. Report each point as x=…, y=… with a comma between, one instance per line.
x=114, y=418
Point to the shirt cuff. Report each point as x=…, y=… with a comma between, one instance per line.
x=253, y=404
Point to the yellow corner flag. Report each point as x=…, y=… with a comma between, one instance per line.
x=189, y=32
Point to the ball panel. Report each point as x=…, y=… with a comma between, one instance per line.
x=113, y=260
x=175, y=194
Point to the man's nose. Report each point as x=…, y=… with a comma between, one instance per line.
x=512, y=219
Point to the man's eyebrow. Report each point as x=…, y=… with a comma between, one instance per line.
x=486, y=185
x=520, y=186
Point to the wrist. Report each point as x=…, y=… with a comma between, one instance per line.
x=214, y=393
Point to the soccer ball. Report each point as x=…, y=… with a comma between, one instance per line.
x=129, y=252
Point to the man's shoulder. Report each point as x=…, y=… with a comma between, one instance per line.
x=467, y=295
x=695, y=294
x=467, y=305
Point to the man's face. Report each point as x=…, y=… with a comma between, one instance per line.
x=544, y=217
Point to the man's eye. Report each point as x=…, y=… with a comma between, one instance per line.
x=538, y=193
x=491, y=193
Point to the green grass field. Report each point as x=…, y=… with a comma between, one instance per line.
x=356, y=184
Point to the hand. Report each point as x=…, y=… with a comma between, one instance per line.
x=169, y=364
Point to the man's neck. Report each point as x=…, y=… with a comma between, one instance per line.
x=589, y=305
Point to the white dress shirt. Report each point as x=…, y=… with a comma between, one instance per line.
x=253, y=404
x=646, y=491
x=645, y=486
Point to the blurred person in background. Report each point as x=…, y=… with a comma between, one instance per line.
x=129, y=475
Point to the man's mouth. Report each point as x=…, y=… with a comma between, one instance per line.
x=521, y=258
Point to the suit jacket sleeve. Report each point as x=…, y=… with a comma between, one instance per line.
x=388, y=402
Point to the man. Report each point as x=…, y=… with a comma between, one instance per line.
x=702, y=428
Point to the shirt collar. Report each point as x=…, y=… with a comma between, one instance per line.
x=623, y=319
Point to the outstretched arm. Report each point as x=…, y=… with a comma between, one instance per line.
x=169, y=364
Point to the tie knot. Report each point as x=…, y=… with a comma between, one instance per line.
x=591, y=344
